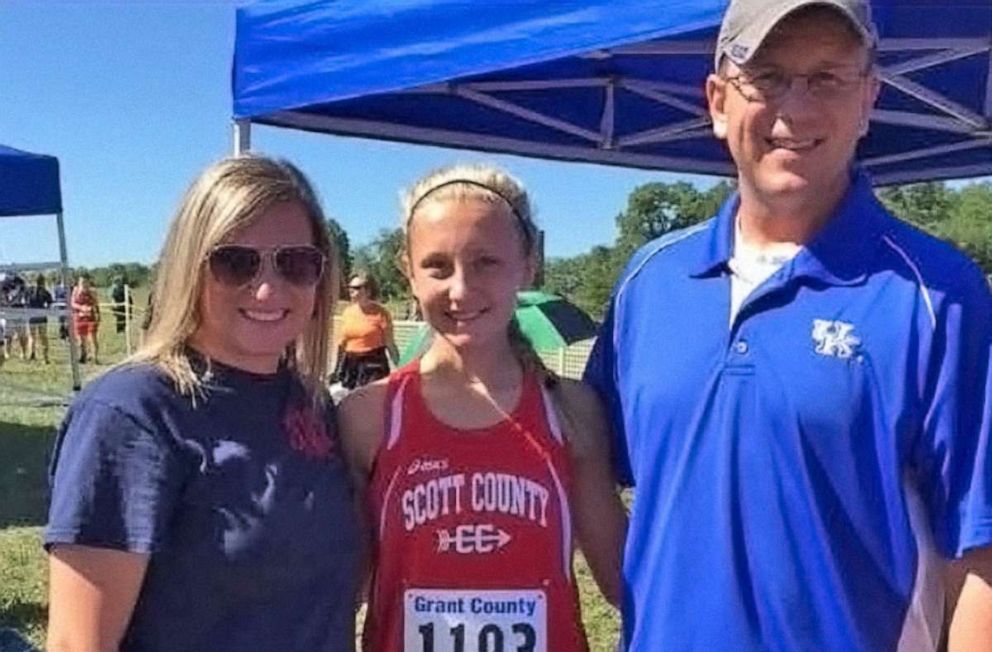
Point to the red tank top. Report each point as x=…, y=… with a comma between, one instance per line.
x=473, y=531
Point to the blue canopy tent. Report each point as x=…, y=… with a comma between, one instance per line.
x=608, y=81
x=29, y=185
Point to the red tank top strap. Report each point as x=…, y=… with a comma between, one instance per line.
x=533, y=416
x=396, y=390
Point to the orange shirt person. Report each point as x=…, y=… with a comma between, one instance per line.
x=366, y=336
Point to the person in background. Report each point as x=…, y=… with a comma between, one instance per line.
x=479, y=466
x=199, y=501
x=60, y=297
x=413, y=312
x=4, y=346
x=122, y=302
x=801, y=386
x=16, y=291
x=86, y=319
x=39, y=298
x=365, y=344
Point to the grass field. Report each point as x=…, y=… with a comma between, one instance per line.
x=29, y=415
x=31, y=406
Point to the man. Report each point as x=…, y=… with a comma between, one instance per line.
x=800, y=386
x=39, y=298
x=60, y=296
x=122, y=301
x=4, y=347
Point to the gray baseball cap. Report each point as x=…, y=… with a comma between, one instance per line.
x=747, y=23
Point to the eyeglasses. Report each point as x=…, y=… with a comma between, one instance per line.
x=237, y=265
x=769, y=85
x=356, y=287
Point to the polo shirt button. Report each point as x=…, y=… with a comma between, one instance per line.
x=741, y=347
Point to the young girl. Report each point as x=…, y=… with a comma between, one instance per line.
x=479, y=465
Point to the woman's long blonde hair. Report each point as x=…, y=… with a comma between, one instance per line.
x=228, y=196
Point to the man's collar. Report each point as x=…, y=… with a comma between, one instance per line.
x=714, y=256
x=838, y=254
x=841, y=252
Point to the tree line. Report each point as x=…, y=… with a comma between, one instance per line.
x=134, y=274
x=652, y=210
x=962, y=215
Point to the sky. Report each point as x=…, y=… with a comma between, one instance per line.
x=134, y=99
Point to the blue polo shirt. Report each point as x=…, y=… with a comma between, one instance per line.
x=800, y=472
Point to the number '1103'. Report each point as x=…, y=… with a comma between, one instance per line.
x=491, y=638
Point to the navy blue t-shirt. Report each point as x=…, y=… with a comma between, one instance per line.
x=242, y=501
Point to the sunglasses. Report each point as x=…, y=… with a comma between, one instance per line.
x=237, y=265
x=356, y=287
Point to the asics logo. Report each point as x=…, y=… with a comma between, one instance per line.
x=421, y=465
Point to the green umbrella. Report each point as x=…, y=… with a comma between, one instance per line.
x=548, y=321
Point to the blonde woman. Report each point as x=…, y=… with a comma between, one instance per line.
x=199, y=502
x=479, y=465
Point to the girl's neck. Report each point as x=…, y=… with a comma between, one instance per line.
x=490, y=366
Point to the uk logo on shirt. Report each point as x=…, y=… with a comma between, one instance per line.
x=835, y=338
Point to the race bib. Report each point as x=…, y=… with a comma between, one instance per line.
x=449, y=620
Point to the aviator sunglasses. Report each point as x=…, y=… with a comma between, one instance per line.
x=237, y=265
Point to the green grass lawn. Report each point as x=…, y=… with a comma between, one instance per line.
x=32, y=397
x=30, y=411
x=23, y=603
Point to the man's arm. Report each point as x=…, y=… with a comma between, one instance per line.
x=971, y=620
x=600, y=375
x=959, y=429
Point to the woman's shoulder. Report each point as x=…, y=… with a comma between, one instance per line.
x=135, y=375
x=129, y=387
x=130, y=403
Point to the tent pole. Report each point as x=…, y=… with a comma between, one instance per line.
x=242, y=136
x=64, y=260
